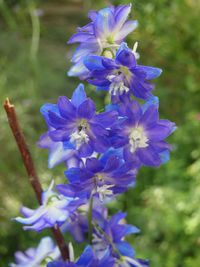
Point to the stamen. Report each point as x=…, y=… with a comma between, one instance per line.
x=118, y=88
x=71, y=252
x=136, y=54
x=104, y=191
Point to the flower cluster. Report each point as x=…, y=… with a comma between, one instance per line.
x=102, y=151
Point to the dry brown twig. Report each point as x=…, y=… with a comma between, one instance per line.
x=31, y=171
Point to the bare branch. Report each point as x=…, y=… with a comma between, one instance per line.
x=30, y=168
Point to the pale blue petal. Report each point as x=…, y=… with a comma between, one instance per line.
x=104, y=23
x=127, y=28
x=79, y=95
x=58, y=154
x=45, y=246
x=121, y=15
x=78, y=69
x=39, y=213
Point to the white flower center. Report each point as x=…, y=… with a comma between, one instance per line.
x=117, y=79
x=80, y=136
x=137, y=139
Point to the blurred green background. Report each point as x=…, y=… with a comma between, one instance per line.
x=34, y=59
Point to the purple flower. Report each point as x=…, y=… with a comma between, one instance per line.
x=122, y=74
x=141, y=133
x=55, y=209
x=104, y=177
x=34, y=257
x=107, y=29
x=76, y=124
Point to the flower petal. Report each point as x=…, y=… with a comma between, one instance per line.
x=86, y=150
x=158, y=132
x=73, y=175
x=93, y=62
x=107, y=118
x=112, y=164
x=78, y=69
x=58, y=154
x=94, y=165
x=104, y=23
x=126, y=58
x=81, y=37
x=109, y=63
x=128, y=27
x=79, y=95
x=86, y=109
x=150, y=116
x=125, y=249
x=150, y=72
x=67, y=110
x=121, y=15
x=149, y=156
x=60, y=135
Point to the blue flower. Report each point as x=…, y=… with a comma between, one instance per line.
x=58, y=152
x=104, y=177
x=87, y=259
x=76, y=124
x=107, y=29
x=109, y=238
x=110, y=234
x=122, y=74
x=141, y=133
x=39, y=256
x=55, y=209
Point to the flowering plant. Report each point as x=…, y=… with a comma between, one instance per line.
x=102, y=151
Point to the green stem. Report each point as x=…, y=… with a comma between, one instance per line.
x=90, y=225
x=107, y=238
x=35, y=32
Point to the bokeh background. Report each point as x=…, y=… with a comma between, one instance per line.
x=34, y=59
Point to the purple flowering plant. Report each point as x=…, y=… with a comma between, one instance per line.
x=102, y=151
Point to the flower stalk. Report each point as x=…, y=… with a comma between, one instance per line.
x=90, y=226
